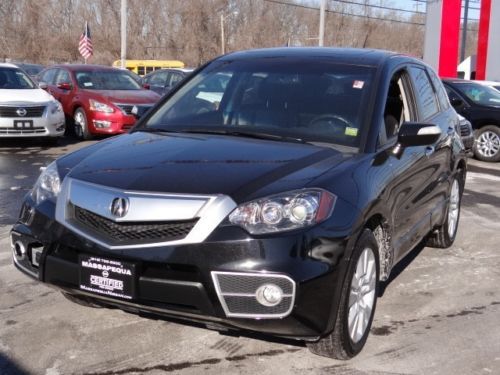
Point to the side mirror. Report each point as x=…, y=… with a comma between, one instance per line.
x=418, y=134
x=43, y=85
x=456, y=102
x=64, y=86
x=146, y=86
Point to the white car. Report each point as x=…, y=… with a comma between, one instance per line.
x=25, y=109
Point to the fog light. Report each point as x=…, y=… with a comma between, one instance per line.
x=19, y=249
x=101, y=123
x=269, y=295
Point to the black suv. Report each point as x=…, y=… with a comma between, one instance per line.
x=480, y=105
x=277, y=203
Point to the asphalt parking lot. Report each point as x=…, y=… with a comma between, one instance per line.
x=438, y=315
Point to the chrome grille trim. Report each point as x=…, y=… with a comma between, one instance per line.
x=31, y=111
x=144, y=207
x=127, y=108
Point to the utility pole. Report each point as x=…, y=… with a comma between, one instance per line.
x=123, y=31
x=322, y=23
x=222, y=42
x=464, y=31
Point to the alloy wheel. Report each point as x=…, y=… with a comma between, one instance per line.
x=80, y=124
x=362, y=295
x=488, y=144
x=453, y=208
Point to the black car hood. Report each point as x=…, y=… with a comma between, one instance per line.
x=199, y=164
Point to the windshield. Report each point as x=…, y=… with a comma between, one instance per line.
x=15, y=79
x=311, y=100
x=483, y=95
x=106, y=80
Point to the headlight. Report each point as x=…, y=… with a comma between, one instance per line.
x=100, y=107
x=55, y=107
x=48, y=185
x=286, y=211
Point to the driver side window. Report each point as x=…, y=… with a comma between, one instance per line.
x=397, y=109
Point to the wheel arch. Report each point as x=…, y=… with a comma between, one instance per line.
x=380, y=228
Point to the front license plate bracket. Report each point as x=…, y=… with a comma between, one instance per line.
x=108, y=277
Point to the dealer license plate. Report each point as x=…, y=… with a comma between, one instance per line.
x=108, y=277
x=23, y=124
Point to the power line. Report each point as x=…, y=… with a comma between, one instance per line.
x=379, y=6
x=345, y=13
x=354, y=15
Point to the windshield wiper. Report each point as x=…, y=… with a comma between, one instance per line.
x=239, y=133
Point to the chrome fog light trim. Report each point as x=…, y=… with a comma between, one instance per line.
x=254, y=295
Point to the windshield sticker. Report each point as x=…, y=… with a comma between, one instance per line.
x=351, y=131
x=87, y=84
x=358, y=84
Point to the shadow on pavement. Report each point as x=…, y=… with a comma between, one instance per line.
x=10, y=367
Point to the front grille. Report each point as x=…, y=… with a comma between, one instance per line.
x=127, y=108
x=465, y=130
x=13, y=131
x=26, y=214
x=36, y=111
x=133, y=232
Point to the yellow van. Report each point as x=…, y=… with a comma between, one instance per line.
x=143, y=67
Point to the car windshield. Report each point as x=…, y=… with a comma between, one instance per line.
x=15, y=79
x=312, y=100
x=106, y=80
x=483, y=95
x=31, y=69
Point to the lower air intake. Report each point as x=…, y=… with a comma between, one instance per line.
x=254, y=295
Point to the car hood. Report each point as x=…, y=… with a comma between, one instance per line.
x=199, y=164
x=128, y=96
x=23, y=97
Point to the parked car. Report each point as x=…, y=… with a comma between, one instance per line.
x=492, y=84
x=466, y=134
x=26, y=110
x=31, y=69
x=164, y=80
x=278, y=209
x=96, y=99
x=480, y=105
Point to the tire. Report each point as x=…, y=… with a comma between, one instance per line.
x=443, y=236
x=80, y=300
x=345, y=342
x=81, y=125
x=487, y=143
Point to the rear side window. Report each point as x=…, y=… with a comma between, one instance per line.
x=426, y=99
x=63, y=77
x=440, y=91
x=48, y=76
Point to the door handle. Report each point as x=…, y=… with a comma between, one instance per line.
x=429, y=150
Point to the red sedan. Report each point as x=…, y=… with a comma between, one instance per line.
x=98, y=99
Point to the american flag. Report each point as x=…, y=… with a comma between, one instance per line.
x=85, y=46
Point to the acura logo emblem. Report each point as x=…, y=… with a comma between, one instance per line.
x=119, y=207
x=21, y=112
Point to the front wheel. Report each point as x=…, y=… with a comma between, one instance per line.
x=444, y=236
x=81, y=125
x=357, y=305
x=487, y=143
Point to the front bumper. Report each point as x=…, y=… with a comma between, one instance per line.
x=49, y=125
x=178, y=281
x=468, y=142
